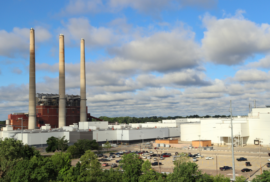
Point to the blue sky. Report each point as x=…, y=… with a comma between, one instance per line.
x=144, y=57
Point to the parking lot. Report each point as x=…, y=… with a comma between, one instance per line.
x=222, y=158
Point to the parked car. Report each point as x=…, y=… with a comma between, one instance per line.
x=156, y=163
x=268, y=164
x=241, y=159
x=156, y=148
x=105, y=164
x=144, y=157
x=224, y=168
x=117, y=156
x=154, y=155
x=246, y=170
x=117, y=161
x=150, y=152
x=165, y=155
x=155, y=159
x=268, y=154
x=149, y=157
x=112, y=153
x=99, y=155
x=113, y=165
x=248, y=164
x=195, y=159
x=105, y=156
x=161, y=158
x=209, y=158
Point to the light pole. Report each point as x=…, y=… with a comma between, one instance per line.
x=232, y=143
x=200, y=144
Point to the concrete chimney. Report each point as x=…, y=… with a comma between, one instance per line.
x=32, y=83
x=62, y=93
x=83, y=85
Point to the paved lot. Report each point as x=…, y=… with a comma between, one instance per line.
x=221, y=158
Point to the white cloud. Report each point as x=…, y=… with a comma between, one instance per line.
x=162, y=52
x=251, y=75
x=16, y=42
x=262, y=63
x=230, y=41
x=151, y=7
x=77, y=28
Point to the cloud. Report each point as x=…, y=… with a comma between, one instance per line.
x=230, y=41
x=262, y=63
x=17, y=70
x=16, y=42
x=251, y=75
x=150, y=7
x=161, y=52
x=77, y=28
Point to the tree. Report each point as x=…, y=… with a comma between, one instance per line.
x=62, y=163
x=112, y=175
x=185, y=172
x=52, y=144
x=35, y=169
x=148, y=173
x=62, y=144
x=264, y=177
x=73, y=173
x=90, y=167
x=132, y=166
x=107, y=145
x=220, y=178
x=81, y=146
x=11, y=151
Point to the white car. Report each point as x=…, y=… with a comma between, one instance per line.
x=209, y=158
x=150, y=152
x=268, y=159
x=149, y=157
x=155, y=159
x=144, y=157
x=117, y=156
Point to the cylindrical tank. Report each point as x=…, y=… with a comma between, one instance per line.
x=7, y=122
x=162, y=145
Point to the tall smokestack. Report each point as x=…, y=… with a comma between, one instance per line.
x=32, y=83
x=62, y=94
x=83, y=87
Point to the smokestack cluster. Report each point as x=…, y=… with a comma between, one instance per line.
x=32, y=83
x=62, y=95
x=83, y=84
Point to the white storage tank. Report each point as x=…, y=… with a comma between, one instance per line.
x=162, y=145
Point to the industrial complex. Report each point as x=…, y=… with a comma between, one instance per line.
x=61, y=115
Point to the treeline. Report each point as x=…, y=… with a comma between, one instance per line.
x=20, y=162
x=128, y=119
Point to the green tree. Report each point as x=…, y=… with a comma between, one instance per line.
x=81, y=146
x=62, y=163
x=132, y=166
x=62, y=144
x=35, y=169
x=148, y=173
x=11, y=151
x=90, y=167
x=240, y=179
x=185, y=172
x=107, y=145
x=112, y=175
x=73, y=173
x=264, y=177
x=52, y=144
x=220, y=178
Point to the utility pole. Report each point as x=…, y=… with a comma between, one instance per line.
x=232, y=143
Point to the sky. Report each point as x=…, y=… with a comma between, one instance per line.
x=143, y=58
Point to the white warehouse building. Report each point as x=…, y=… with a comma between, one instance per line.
x=246, y=130
x=99, y=131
